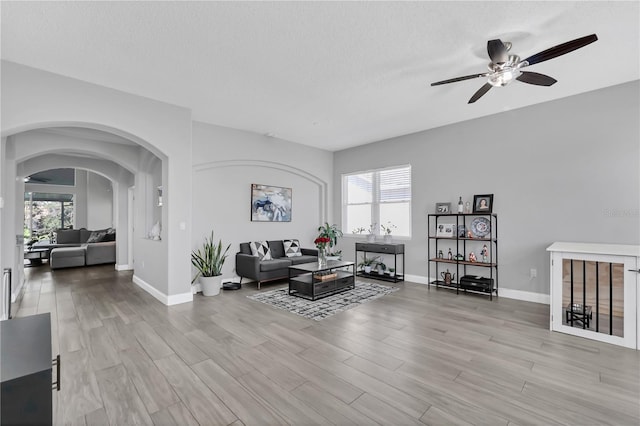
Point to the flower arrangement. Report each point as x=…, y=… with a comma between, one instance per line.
x=369, y=231
x=387, y=229
x=332, y=232
x=322, y=242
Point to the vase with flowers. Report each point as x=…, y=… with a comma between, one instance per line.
x=387, y=229
x=371, y=232
x=321, y=244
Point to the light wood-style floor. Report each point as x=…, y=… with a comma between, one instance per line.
x=412, y=357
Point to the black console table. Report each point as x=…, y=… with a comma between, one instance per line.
x=394, y=249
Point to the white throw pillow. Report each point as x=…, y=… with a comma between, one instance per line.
x=261, y=250
x=291, y=248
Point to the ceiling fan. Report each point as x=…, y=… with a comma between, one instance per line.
x=504, y=67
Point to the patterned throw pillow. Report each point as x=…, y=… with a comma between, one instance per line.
x=261, y=250
x=292, y=248
x=96, y=236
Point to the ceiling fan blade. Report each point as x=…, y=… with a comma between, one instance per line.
x=536, y=78
x=466, y=77
x=484, y=89
x=497, y=51
x=561, y=49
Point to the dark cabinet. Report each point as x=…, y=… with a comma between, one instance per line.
x=26, y=371
x=383, y=248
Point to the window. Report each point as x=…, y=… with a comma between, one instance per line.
x=377, y=197
x=44, y=213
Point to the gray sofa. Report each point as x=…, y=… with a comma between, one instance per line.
x=251, y=267
x=80, y=247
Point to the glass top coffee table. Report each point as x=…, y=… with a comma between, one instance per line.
x=312, y=281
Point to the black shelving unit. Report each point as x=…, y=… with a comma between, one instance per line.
x=477, y=277
x=395, y=249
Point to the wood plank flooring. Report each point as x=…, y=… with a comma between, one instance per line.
x=412, y=357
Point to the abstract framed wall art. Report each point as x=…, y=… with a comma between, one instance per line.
x=270, y=203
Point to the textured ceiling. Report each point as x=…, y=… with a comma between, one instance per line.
x=326, y=74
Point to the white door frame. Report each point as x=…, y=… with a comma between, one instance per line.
x=130, y=224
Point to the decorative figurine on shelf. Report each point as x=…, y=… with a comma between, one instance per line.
x=469, y=234
x=467, y=207
x=484, y=253
x=472, y=257
x=448, y=277
x=450, y=255
x=459, y=256
x=440, y=254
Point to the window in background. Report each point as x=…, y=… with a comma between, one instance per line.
x=377, y=197
x=44, y=213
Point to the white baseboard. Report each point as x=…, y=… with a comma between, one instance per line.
x=416, y=279
x=167, y=300
x=124, y=267
x=177, y=299
x=526, y=296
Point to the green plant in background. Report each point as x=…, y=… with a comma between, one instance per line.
x=332, y=232
x=209, y=259
x=368, y=261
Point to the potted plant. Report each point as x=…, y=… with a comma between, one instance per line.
x=381, y=267
x=371, y=236
x=387, y=231
x=208, y=261
x=367, y=263
x=392, y=272
x=333, y=233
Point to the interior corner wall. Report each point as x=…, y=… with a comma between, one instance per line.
x=99, y=202
x=3, y=147
x=161, y=128
x=226, y=163
x=566, y=170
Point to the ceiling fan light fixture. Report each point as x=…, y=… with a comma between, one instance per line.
x=504, y=76
x=505, y=68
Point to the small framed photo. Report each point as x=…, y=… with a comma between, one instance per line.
x=445, y=230
x=462, y=231
x=483, y=203
x=443, y=208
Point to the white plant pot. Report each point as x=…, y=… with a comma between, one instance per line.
x=367, y=269
x=211, y=285
x=380, y=271
x=392, y=274
x=371, y=238
x=387, y=238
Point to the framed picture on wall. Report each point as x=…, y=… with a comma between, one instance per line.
x=483, y=203
x=270, y=203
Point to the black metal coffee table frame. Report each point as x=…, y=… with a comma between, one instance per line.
x=305, y=281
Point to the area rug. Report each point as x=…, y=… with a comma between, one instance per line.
x=326, y=307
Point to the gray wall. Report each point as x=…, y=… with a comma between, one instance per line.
x=99, y=202
x=566, y=170
x=226, y=163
